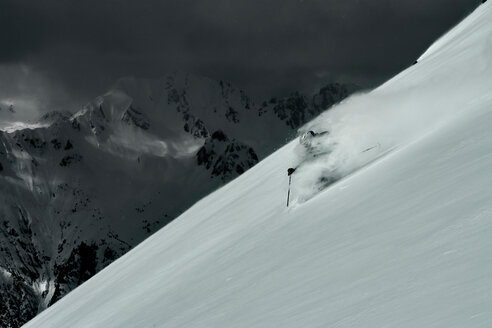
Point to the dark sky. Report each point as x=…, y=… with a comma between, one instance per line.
x=60, y=54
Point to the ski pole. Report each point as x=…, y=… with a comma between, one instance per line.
x=289, y=173
x=288, y=192
x=378, y=145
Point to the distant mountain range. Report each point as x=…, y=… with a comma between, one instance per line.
x=79, y=190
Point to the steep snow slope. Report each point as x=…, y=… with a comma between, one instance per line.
x=402, y=240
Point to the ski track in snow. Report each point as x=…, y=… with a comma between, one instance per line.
x=404, y=241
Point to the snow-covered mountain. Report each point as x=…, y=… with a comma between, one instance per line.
x=402, y=239
x=77, y=191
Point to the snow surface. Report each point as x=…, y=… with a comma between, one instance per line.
x=403, y=239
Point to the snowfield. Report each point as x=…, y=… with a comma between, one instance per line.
x=402, y=239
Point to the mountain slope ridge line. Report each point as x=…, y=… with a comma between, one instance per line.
x=404, y=242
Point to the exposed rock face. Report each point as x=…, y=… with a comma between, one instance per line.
x=84, y=261
x=224, y=158
x=296, y=109
x=78, y=191
x=19, y=302
x=137, y=118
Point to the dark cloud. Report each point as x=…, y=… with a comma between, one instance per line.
x=267, y=47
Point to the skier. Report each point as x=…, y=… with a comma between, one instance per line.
x=308, y=137
x=306, y=140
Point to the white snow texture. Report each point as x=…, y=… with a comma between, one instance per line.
x=403, y=238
